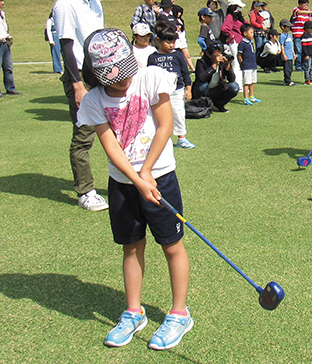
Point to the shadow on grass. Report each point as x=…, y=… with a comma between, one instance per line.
x=50, y=114
x=292, y=153
x=40, y=186
x=70, y=296
x=59, y=99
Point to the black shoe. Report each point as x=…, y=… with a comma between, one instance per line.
x=13, y=92
x=267, y=70
x=275, y=70
x=221, y=108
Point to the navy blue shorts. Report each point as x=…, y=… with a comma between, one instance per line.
x=130, y=213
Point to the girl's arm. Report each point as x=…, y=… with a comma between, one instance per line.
x=120, y=161
x=164, y=120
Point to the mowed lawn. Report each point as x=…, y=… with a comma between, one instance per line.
x=61, y=286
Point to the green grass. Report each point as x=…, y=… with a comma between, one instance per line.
x=61, y=287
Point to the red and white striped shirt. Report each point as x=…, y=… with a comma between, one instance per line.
x=298, y=22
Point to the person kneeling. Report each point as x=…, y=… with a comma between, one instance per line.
x=214, y=77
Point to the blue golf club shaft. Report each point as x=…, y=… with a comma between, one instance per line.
x=180, y=217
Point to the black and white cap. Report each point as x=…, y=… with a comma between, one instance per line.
x=108, y=53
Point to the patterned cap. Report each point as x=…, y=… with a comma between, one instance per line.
x=108, y=53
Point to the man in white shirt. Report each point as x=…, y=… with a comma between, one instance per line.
x=6, y=62
x=74, y=21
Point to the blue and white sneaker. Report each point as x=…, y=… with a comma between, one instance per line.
x=254, y=99
x=129, y=323
x=185, y=143
x=247, y=101
x=171, y=331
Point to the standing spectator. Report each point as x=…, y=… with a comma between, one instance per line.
x=217, y=20
x=269, y=57
x=54, y=45
x=231, y=31
x=288, y=53
x=142, y=48
x=173, y=61
x=74, y=21
x=146, y=13
x=247, y=59
x=181, y=42
x=214, y=77
x=268, y=21
x=306, y=41
x=256, y=20
x=166, y=15
x=300, y=15
x=206, y=35
x=6, y=62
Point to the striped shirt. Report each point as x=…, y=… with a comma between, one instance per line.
x=298, y=22
x=306, y=42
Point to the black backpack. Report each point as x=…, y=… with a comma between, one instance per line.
x=198, y=108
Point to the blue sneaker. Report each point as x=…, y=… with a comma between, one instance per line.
x=129, y=323
x=171, y=331
x=254, y=99
x=248, y=102
x=185, y=143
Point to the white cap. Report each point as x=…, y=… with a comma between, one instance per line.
x=237, y=2
x=141, y=29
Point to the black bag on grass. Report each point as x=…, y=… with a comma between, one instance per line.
x=198, y=108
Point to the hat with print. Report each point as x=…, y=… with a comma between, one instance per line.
x=258, y=3
x=285, y=23
x=108, y=53
x=206, y=12
x=237, y=2
x=141, y=29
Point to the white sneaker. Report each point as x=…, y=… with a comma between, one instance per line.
x=92, y=201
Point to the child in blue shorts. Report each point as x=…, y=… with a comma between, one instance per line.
x=131, y=112
x=247, y=59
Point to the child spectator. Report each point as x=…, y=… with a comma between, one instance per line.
x=269, y=57
x=131, y=112
x=206, y=35
x=300, y=15
x=181, y=42
x=306, y=41
x=247, y=59
x=142, y=48
x=173, y=61
x=166, y=15
x=288, y=53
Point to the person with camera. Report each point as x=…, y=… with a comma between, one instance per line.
x=214, y=77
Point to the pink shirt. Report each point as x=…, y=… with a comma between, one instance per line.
x=231, y=29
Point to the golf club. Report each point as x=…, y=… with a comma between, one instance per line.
x=304, y=161
x=269, y=297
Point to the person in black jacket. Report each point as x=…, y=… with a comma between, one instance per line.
x=214, y=77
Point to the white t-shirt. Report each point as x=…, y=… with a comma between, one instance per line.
x=76, y=20
x=142, y=54
x=131, y=118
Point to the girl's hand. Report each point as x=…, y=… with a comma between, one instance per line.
x=188, y=95
x=148, y=189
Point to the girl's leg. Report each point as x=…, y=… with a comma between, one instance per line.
x=188, y=58
x=179, y=270
x=133, y=270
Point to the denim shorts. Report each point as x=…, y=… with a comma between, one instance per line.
x=130, y=213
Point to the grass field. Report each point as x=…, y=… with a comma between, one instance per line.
x=61, y=287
